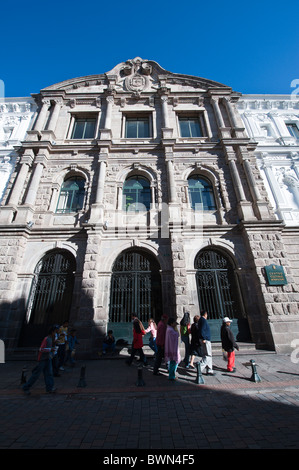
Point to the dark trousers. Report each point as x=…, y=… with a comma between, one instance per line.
x=158, y=360
x=141, y=354
x=45, y=366
x=55, y=366
x=61, y=354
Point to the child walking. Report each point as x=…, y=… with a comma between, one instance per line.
x=137, y=345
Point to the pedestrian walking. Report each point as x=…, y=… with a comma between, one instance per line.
x=204, y=334
x=137, y=344
x=160, y=342
x=172, y=352
x=55, y=353
x=44, y=365
x=62, y=343
x=152, y=329
x=72, y=341
x=195, y=349
x=228, y=344
x=185, y=330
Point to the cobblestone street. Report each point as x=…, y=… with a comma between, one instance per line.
x=228, y=411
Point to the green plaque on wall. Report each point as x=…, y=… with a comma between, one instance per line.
x=275, y=275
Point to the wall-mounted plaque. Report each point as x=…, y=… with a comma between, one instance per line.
x=275, y=275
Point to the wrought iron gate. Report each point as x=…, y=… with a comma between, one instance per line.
x=218, y=293
x=135, y=288
x=215, y=282
x=214, y=278
x=51, y=295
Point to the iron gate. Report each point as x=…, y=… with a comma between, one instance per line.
x=214, y=278
x=218, y=294
x=50, y=297
x=135, y=288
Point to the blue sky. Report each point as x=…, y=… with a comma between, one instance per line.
x=251, y=46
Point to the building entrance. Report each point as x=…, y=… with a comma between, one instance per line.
x=218, y=293
x=135, y=289
x=50, y=297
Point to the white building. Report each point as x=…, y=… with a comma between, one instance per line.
x=272, y=121
x=16, y=116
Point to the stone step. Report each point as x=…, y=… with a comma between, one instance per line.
x=30, y=353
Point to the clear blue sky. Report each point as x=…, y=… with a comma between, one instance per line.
x=251, y=46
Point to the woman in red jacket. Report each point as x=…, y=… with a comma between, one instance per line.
x=138, y=333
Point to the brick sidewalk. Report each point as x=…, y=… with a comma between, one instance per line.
x=112, y=412
x=112, y=375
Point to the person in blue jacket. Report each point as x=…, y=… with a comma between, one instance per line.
x=204, y=334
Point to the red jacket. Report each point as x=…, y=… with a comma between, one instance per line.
x=137, y=339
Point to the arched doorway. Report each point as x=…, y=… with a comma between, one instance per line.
x=135, y=288
x=50, y=296
x=219, y=294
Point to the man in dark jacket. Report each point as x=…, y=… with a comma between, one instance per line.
x=228, y=344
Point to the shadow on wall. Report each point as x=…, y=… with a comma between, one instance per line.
x=17, y=334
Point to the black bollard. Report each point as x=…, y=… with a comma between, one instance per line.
x=140, y=382
x=255, y=377
x=23, y=376
x=82, y=382
x=199, y=378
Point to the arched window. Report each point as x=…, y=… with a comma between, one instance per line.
x=201, y=193
x=71, y=195
x=136, y=194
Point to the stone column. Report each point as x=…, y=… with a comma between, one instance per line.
x=34, y=184
x=237, y=181
x=171, y=182
x=110, y=101
x=54, y=116
x=19, y=185
x=39, y=125
x=217, y=112
x=101, y=182
x=231, y=113
x=251, y=181
x=26, y=162
x=164, y=101
x=245, y=208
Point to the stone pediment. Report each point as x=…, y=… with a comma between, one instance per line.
x=135, y=76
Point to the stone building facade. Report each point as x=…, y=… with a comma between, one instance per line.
x=138, y=191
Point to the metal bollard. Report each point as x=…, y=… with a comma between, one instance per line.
x=140, y=382
x=255, y=377
x=82, y=382
x=199, y=378
x=23, y=376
